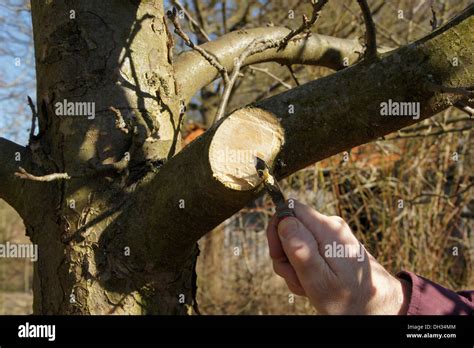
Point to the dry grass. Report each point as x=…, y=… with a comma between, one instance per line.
x=15, y=274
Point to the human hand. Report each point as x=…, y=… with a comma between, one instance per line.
x=319, y=257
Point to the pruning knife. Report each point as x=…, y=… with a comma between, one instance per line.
x=273, y=189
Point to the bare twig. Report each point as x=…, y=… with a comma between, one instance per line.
x=23, y=174
x=441, y=132
x=273, y=76
x=119, y=122
x=293, y=75
x=190, y=18
x=444, y=196
x=465, y=91
x=172, y=15
x=224, y=15
x=427, y=126
x=388, y=35
x=433, y=20
x=370, y=34
x=466, y=108
x=257, y=46
x=274, y=86
x=307, y=23
x=34, y=117
x=198, y=10
x=101, y=168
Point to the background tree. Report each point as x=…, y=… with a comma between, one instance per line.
x=114, y=205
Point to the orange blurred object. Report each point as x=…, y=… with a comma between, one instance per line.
x=367, y=154
x=192, y=131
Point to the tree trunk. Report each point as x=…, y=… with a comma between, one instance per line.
x=91, y=261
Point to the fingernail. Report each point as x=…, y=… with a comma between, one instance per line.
x=287, y=227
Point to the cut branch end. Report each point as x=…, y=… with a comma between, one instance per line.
x=242, y=136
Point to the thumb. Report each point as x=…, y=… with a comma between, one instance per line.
x=300, y=247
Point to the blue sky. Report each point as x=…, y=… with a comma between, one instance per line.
x=17, y=70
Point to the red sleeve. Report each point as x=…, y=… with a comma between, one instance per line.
x=428, y=298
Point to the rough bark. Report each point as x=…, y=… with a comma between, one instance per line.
x=114, y=54
x=10, y=155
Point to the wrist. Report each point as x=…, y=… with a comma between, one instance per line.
x=402, y=296
x=405, y=296
x=394, y=297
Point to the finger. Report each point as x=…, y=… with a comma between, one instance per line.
x=326, y=229
x=332, y=234
x=295, y=288
x=302, y=250
x=286, y=271
x=306, y=214
x=274, y=244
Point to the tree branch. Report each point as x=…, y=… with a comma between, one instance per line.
x=370, y=33
x=307, y=23
x=465, y=108
x=465, y=91
x=23, y=174
x=257, y=46
x=172, y=15
x=11, y=156
x=273, y=76
x=243, y=7
x=194, y=24
x=297, y=128
x=193, y=72
x=34, y=117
